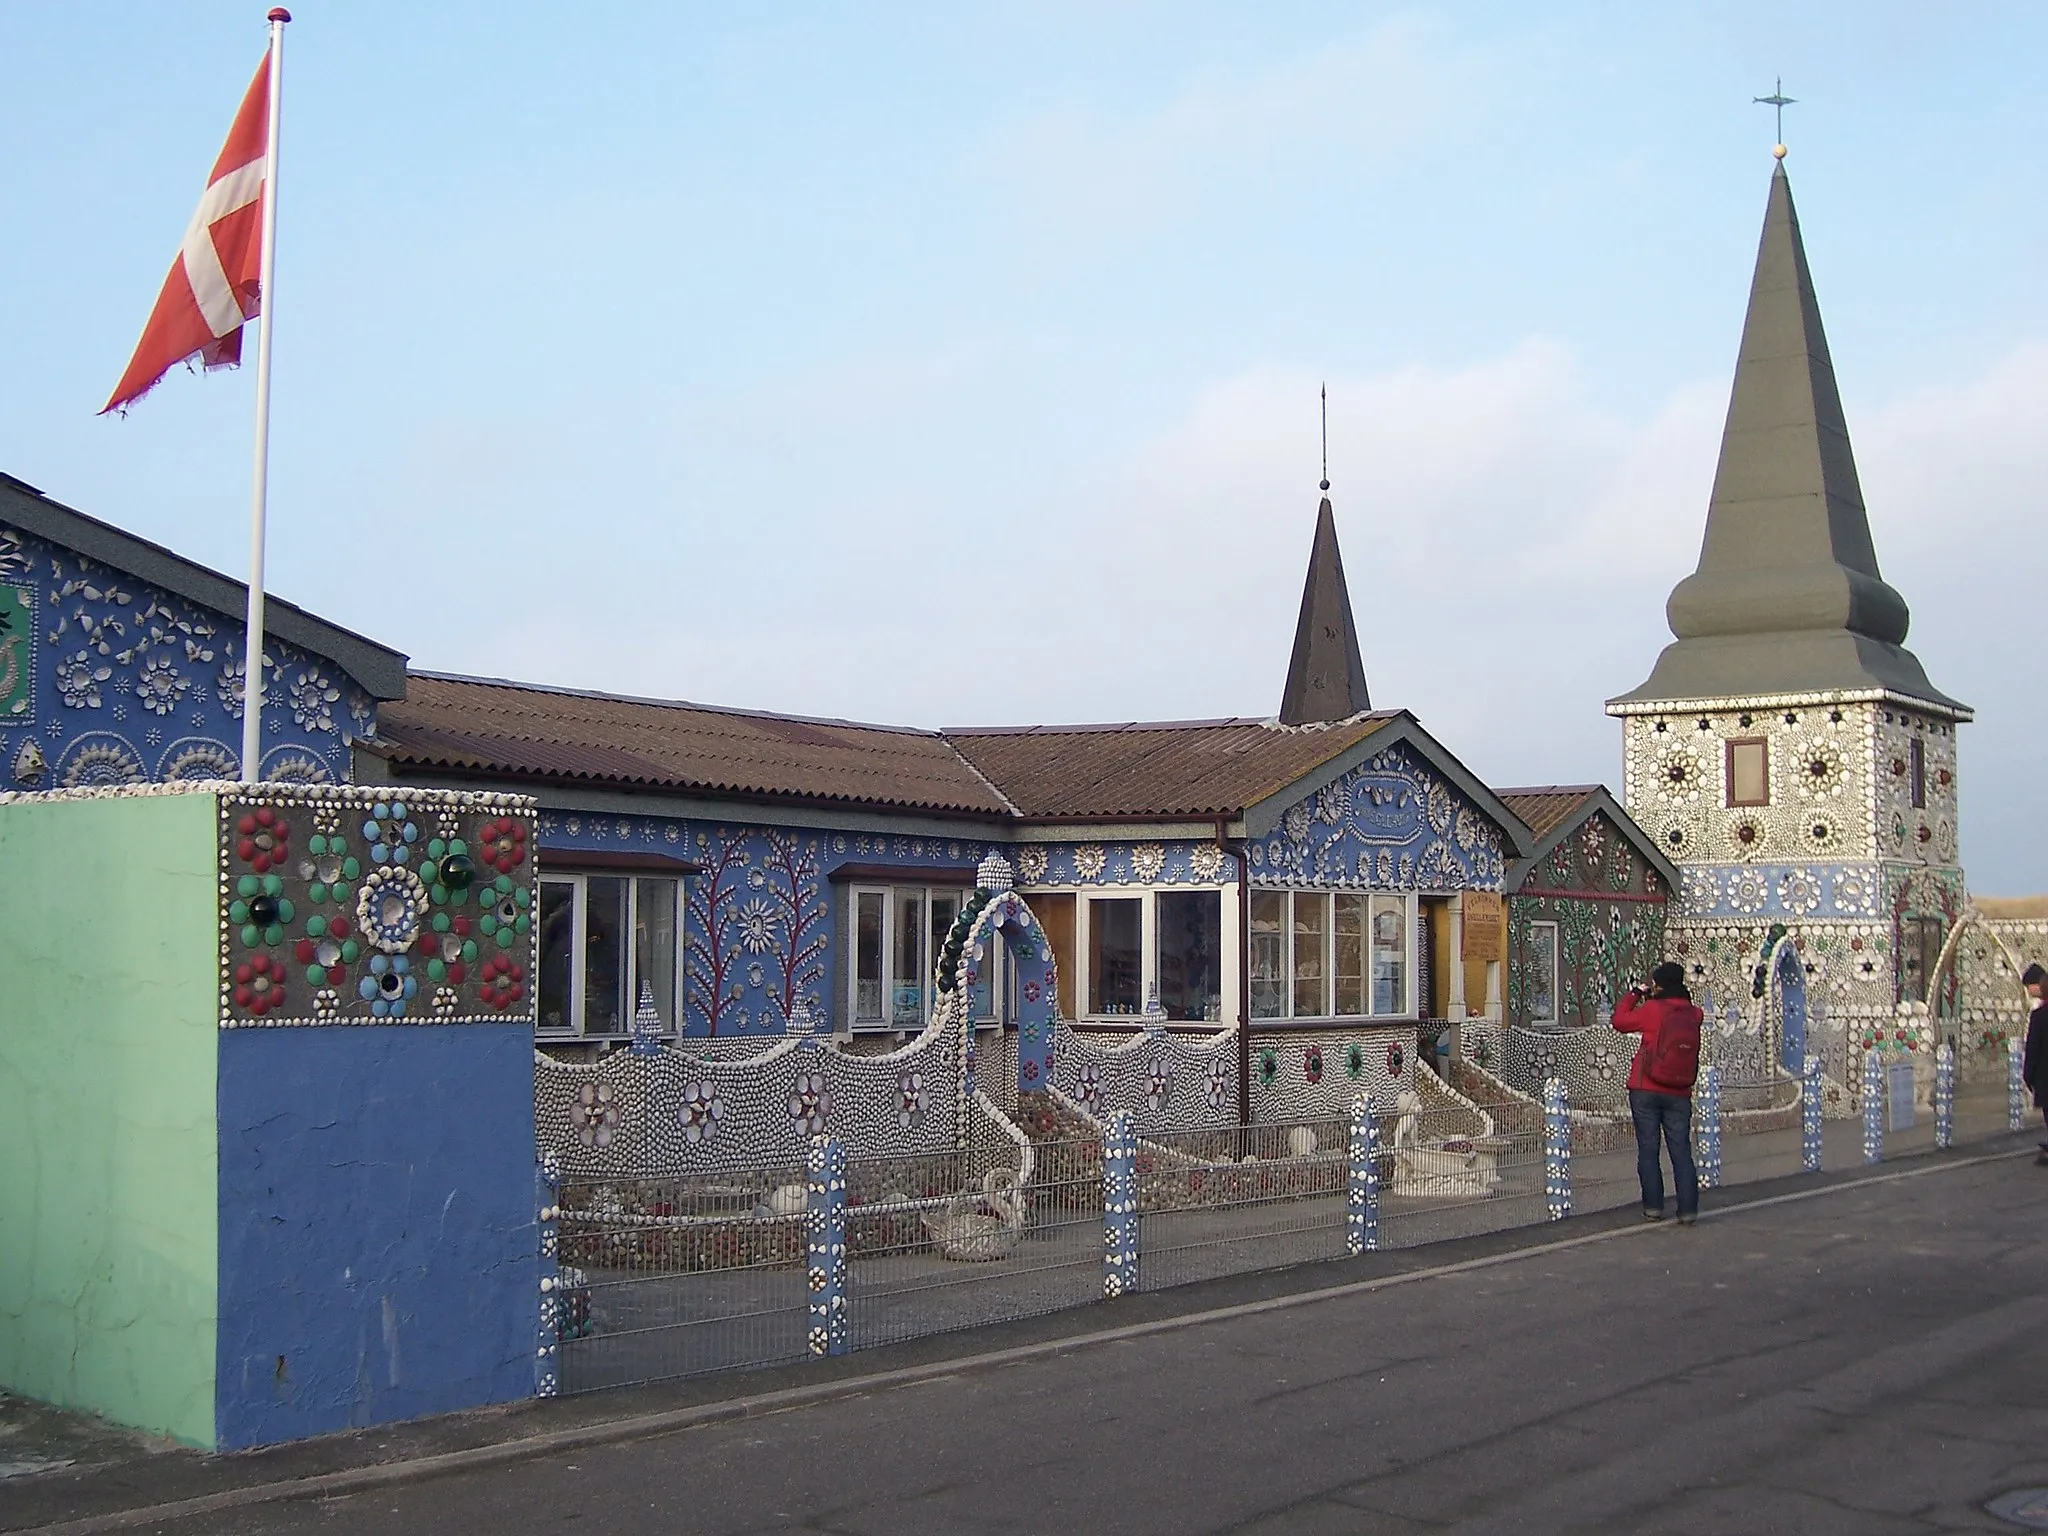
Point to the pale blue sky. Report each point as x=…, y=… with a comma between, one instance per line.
x=791, y=359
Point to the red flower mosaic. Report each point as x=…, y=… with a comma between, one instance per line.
x=259, y=985
x=502, y=844
x=502, y=981
x=263, y=840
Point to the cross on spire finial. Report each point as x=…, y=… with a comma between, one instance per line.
x=1326, y=437
x=1777, y=101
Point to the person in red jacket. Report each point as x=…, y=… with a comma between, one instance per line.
x=1660, y=1086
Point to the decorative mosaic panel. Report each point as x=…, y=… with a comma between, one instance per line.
x=1149, y=863
x=348, y=905
x=1602, y=948
x=107, y=681
x=1315, y=1075
x=668, y=1111
x=1390, y=824
x=1166, y=1082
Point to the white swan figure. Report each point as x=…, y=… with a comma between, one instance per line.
x=1436, y=1169
x=970, y=1235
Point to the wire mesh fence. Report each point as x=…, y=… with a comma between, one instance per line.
x=672, y=1277
x=931, y=1248
x=666, y=1277
x=1229, y=1202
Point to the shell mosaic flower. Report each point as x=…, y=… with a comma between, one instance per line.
x=1088, y=861
x=391, y=904
x=1158, y=1083
x=1747, y=835
x=259, y=985
x=390, y=833
x=501, y=982
x=810, y=1103
x=912, y=1099
x=389, y=986
x=1799, y=891
x=1147, y=859
x=1312, y=1064
x=263, y=839
x=501, y=844
x=158, y=687
x=78, y=679
x=1216, y=1084
x=1088, y=1084
x=700, y=1113
x=1205, y=862
x=755, y=926
x=594, y=1114
x=1820, y=768
x=1031, y=865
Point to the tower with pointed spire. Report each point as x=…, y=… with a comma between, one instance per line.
x=1787, y=751
x=1326, y=674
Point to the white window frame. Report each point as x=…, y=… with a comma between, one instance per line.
x=1556, y=976
x=887, y=1025
x=1229, y=963
x=578, y=881
x=1410, y=901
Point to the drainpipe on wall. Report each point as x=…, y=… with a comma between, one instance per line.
x=1244, y=973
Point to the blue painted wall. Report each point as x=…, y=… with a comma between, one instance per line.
x=1392, y=823
x=108, y=680
x=377, y=1225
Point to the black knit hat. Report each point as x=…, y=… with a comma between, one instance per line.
x=1670, y=976
x=2034, y=976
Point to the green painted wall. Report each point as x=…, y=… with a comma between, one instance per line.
x=108, y=1034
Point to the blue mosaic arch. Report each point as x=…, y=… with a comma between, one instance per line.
x=1393, y=822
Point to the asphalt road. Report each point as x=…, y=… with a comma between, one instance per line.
x=1870, y=1360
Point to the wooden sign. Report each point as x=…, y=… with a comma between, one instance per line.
x=1485, y=926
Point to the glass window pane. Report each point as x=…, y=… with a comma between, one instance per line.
x=1919, y=755
x=1389, y=954
x=557, y=953
x=1266, y=954
x=906, y=971
x=1748, y=778
x=1311, y=922
x=1351, y=971
x=1191, y=954
x=654, y=947
x=867, y=958
x=605, y=1009
x=1539, y=973
x=1114, y=979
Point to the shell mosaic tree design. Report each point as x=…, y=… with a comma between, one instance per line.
x=352, y=905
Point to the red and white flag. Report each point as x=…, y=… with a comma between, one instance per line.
x=213, y=285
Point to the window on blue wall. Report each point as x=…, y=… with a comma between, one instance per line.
x=1324, y=954
x=1266, y=954
x=601, y=936
x=899, y=933
x=1115, y=955
x=1190, y=954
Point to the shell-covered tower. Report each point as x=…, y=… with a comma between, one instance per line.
x=1787, y=751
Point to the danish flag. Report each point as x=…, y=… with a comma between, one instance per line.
x=212, y=287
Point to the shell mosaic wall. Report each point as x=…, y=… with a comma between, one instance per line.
x=665, y=1111
x=105, y=680
x=1601, y=945
x=350, y=905
x=1390, y=823
x=1041, y=865
x=1300, y=1076
x=1167, y=1082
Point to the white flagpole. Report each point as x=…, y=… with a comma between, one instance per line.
x=252, y=663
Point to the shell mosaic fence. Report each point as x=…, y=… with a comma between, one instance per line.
x=346, y=905
x=1298, y=1076
x=1163, y=1081
x=669, y=1111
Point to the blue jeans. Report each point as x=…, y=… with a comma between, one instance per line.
x=1670, y=1114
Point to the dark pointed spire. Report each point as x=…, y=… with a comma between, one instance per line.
x=1326, y=677
x=1787, y=597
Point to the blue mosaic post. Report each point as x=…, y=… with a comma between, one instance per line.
x=1119, y=1205
x=1362, y=1191
x=546, y=1191
x=1944, y=1096
x=1707, y=1128
x=1810, y=1115
x=825, y=1229
x=2015, y=1087
x=1557, y=1151
x=1873, y=1107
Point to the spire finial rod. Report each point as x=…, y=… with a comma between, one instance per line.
x=1777, y=101
x=1326, y=437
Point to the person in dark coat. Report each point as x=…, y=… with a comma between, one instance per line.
x=2034, y=1056
x=1662, y=1108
